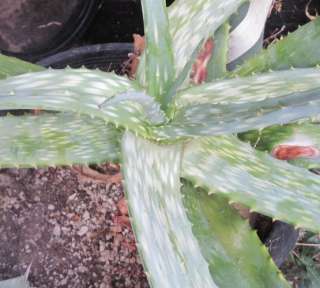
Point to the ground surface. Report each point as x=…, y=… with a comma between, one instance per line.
x=72, y=229
x=21, y=33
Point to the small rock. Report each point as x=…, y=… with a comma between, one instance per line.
x=51, y=207
x=86, y=215
x=72, y=197
x=83, y=230
x=57, y=231
x=123, y=206
x=82, y=269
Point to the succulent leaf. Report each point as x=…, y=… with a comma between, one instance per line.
x=19, y=282
x=82, y=91
x=192, y=22
x=266, y=185
x=165, y=241
x=159, y=63
x=217, y=119
x=10, y=66
x=56, y=139
x=238, y=105
x=235, y=255
x=251, y=88
x=217, y=66
x=299, y=49
x=250, y=29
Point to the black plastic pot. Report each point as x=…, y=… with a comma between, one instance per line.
x=36, y=29
x=106, y=57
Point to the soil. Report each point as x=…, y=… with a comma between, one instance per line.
x=71, y=225
x=21, y=33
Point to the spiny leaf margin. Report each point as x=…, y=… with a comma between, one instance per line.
x=269, y=186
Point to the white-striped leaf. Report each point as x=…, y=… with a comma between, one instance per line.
x=266, y=185
x=56, y=139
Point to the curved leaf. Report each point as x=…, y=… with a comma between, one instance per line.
x=10, y=66
x=158, y=52
x=253, y=88
x=237, y=105
x=210, y=119
x=250, y=29
x=56, y=139
x=217, y=66
x=82, y=91
x=298, y=49
x=235, y=255
x=255, y=179
x=170, y=252
x=192, y=22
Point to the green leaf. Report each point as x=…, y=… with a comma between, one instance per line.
x=217, y=119
x=10, y=66
x=170, y=252
x=235, y=255
x=56, y=139
x=192, y=22
x=83, y=91
x=298, y=49
x=297, y=134
x=217, y=66
x=238, y=105
x=266, y=185
x=253, y=88
x=159, y=56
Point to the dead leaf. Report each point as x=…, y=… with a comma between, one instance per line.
x=199, y=72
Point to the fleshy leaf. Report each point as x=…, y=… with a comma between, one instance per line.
x=217, y=119
x=253, y=88
x=235, y=255
x=10, y=66
x=192, y=22
x=165, y=241
x=217, y=66
x=158, y=51
x=266, y=185
x=299, y=49
x=248, y=32
x=19, y=282
x=56, y=139
x=82, y=91
x=238, y=105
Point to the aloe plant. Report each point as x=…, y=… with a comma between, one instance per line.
x=182, y=162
